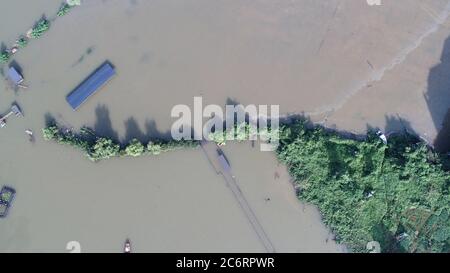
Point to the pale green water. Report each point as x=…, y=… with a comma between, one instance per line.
x=303, y=55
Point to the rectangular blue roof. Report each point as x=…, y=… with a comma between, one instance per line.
x=91, y=85
x=14, y=76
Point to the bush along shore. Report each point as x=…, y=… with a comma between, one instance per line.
x=36, y=32
x=100, y=148
x=397, y=195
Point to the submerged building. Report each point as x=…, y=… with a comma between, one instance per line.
x=91, y=85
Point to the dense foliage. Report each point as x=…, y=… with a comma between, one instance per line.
x=22, y=42
x=65, y=8
x=242, y=132
x=4, y=56
x=135, y=148
x=99, y=148
x=395, y=194
x=40, y=28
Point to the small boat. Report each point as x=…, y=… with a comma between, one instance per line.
x=127, y=247
x=30, y=135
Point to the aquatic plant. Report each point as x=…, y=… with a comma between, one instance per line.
x=4, y=56
x=40, y=28
x=134, y=148
x=395, y=194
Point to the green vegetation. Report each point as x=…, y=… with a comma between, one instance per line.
x=22, y=42
x=73, y=2
x=242, y=132
x=4, y=56
x=135, y=148
x=100, y=148
x=40, y=28
x=396, y=194
x=6, y=196
x=64, y=10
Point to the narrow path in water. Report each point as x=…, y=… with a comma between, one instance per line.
x=212, y=153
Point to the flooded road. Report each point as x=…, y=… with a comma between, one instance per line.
x=345, y=61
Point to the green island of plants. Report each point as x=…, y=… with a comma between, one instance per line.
x=100, y=148
x=397, y=194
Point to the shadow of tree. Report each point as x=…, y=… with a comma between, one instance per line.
x=103, y=125
x=442, y=142
x=438, y=98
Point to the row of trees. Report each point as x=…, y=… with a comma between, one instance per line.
x=397, y=194
x=36, y=31
x=99, y=148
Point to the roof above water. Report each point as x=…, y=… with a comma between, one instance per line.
x=90, y=85
x=14, y=76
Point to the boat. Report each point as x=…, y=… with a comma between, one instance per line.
x=127, y=246
x=30, y=135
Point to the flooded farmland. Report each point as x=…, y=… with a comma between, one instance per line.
x=343, y=63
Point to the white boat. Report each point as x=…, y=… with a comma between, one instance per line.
x=127, y=247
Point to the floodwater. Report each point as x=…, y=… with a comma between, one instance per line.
x=344, y=63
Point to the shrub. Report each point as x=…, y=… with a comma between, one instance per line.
x=40, y=28
x=22, y=42
x=154, y=148
x=73, y=2
x=50, y=132
x=104, y=149
x=64, y=10
x=4, y=56
x=135, y=148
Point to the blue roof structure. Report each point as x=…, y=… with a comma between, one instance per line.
x=14, y=76
x=91, y=85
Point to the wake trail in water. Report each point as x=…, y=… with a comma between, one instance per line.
x=379, y=74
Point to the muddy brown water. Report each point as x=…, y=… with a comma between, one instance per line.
x=325, y=58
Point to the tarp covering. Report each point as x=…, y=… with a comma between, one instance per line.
x=101, y=76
